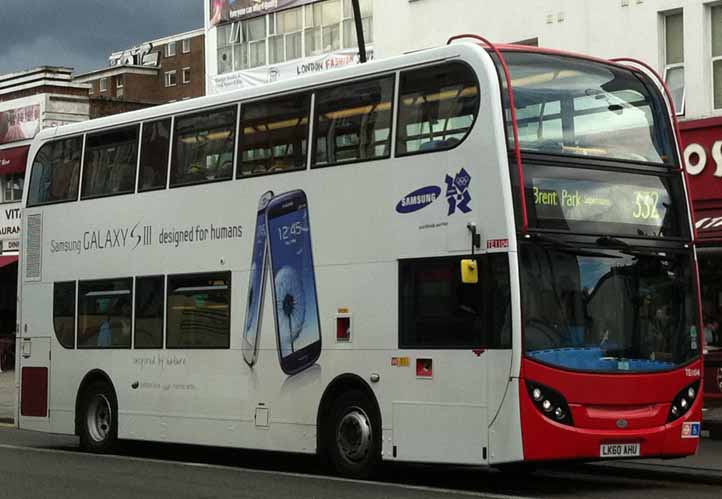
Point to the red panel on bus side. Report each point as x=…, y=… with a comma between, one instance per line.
x=34, y=392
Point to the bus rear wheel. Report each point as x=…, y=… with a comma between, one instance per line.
x=353, y=436
x=98, y=418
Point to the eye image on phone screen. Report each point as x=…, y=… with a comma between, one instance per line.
x=256, y=284
x=298, y=327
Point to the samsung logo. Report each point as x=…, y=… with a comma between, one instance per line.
x=418, y=199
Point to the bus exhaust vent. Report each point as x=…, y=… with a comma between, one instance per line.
x=34, y=247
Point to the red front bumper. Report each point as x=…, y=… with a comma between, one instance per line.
x=642, y=401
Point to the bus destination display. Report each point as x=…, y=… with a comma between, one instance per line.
x=571, y=200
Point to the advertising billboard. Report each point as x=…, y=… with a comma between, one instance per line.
x=20, y=123
x=223, y=11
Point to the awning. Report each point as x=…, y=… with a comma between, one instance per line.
x=7, y=260
x=13, y=160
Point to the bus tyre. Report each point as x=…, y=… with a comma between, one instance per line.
x=98, y=418
x=353, y=436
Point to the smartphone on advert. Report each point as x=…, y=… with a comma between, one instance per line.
x=256, y=284
x=298, y=328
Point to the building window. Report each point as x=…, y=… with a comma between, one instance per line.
x=103, y=84
x=170, y=49
x=171, y=78
x=286, y=40
x=674, y=58
x=118, y=82
x=323, y=27
x=186, y=46
x=716, y=14
x=12, y=187
x=311, y=30
x=186, y=75
x=350, y=39
x=91, y=89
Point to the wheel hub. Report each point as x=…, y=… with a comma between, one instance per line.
x=353, y=435
x=99, y=418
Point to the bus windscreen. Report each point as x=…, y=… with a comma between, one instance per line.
x=576, y=107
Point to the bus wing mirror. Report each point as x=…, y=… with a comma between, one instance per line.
x=469, y=272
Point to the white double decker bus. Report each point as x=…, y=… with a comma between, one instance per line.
x=362, y=264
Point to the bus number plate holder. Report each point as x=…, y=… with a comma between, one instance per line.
x=619, y=450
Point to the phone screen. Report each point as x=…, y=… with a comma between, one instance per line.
x=294, y=282
x=256, y=285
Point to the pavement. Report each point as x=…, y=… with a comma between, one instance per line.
x=7, y=397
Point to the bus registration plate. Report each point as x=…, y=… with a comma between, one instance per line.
x=619, y=450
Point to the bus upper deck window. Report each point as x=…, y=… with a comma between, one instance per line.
x=353, y=122
x=437, y=108
x=110, y=161
x=56, y=171
x=203, y=147
x=154, y=150
x=274, y=135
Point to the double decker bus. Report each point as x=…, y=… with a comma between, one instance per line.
x=469, y=254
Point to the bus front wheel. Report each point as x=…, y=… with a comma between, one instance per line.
x=98, y=418
x=353, y=435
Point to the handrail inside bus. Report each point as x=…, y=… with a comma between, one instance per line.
x=515, y=126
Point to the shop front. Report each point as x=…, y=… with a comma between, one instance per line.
x=12, y=175
x=703, y=155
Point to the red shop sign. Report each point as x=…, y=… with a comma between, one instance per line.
x=13, y=160
x=702, y=146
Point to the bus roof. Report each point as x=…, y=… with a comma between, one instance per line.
x=302, y=82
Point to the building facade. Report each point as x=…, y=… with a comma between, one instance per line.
x=166, y=70
x=251, y=43
x=29, y=101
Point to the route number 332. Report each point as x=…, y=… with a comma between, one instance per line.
x=646, y=205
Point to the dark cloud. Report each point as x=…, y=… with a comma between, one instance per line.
x=82, y=33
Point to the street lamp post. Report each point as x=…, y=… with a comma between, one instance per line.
x=359, y=30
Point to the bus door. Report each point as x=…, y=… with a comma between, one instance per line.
x=34, y=363
x=459, y=333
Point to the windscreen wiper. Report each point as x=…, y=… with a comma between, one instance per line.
x=611, y=242
x=550, y=240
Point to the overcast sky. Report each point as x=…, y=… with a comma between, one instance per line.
x=82, y=33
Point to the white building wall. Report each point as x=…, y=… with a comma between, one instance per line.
x=603, y=28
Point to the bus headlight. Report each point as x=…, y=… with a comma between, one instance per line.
x=550, y=403
x=683, y=401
